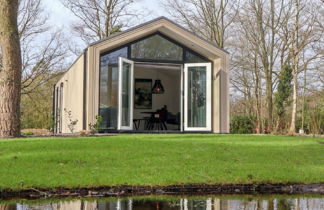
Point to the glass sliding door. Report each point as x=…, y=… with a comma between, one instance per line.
x=108, y=97
x=197, y=97
x=125, y=94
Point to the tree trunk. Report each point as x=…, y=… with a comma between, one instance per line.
x=269, y=93
x=267, y=64
x=294, y=104
x=258, y=95
x=10, y=73
x=292, y=129
x=304, y=101
x=271, y=63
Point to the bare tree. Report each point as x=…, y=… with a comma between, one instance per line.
x=295, y=58
x=207, y=18
x=260, y=23
x=42, y=63
x=45, y=55
x=31, y=19
x=98, y=19
x=247, y=74
x=268, y=30
x=43, y=50
x=301, y=52
x=10, y=73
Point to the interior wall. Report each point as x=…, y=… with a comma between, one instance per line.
x=171, y=81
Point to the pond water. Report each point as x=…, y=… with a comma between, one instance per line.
x=173, y=203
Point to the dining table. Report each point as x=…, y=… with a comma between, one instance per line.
x=151, y=113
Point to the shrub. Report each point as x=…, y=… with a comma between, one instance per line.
x=242, y=124
x=96, y=127
x=71, y=123
x=28, y=133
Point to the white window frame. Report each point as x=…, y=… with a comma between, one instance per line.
x=131, y=94
x=208, y=97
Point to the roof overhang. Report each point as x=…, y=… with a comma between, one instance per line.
x=166, y=27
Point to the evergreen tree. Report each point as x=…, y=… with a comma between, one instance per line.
x=282, y=97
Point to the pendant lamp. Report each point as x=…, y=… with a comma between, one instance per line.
x=158, y=87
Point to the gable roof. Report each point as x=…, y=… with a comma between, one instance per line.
x=156, y=21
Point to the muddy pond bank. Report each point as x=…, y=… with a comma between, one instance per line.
x=193, y=189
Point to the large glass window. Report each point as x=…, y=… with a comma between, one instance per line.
x=156, y=48
x=191, y=57
x=109, y=87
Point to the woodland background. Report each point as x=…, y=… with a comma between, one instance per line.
x=276, y=49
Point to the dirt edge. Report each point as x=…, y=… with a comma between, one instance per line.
x=189, y=189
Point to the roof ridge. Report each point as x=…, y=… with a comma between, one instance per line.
x=152, y=21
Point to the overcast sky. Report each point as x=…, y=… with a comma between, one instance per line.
x=61, y=17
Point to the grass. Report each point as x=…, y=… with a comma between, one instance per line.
x=159, y=160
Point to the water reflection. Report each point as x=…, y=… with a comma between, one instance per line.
x=176, y=204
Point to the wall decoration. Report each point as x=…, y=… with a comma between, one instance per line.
x=143, y=94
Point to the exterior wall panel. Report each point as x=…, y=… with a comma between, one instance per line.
x=72, y=96
x=221, y=96
x=91, y=86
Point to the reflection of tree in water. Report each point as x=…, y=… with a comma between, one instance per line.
x=7, y=207
x=156, y=47
x=177, y=204
x=284, y=204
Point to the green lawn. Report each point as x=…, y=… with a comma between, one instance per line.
x=159, y=160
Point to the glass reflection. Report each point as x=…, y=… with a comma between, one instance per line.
x=191, y=57
x=197, y=96
x=108, y=100
x=156, y=48
x=126, y=94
